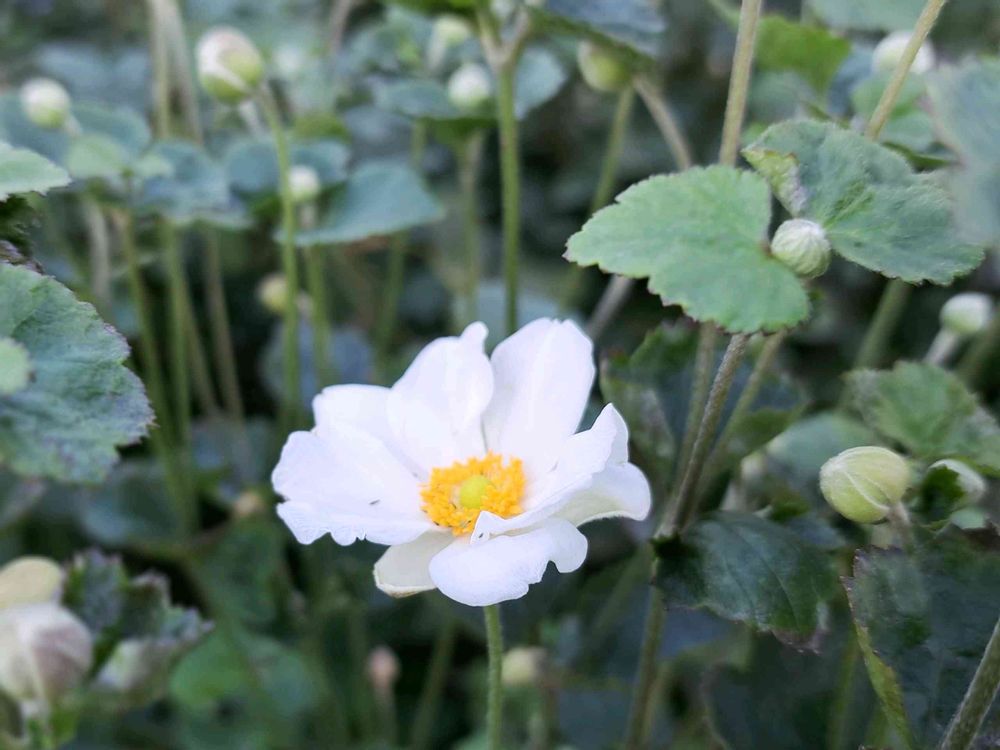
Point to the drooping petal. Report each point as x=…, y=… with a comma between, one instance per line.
x=435, y=410
x=404, y=569
x=348, y=484
x=504, y=567
x=542, y=378
x=581, y=458
x=620, y=490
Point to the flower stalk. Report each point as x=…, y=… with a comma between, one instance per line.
x=494, y=701
x=978, y=698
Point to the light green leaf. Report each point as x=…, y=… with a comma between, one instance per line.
x=251, y=164
x=23, y=171
x=876, y=212
x=751, y=570
x=378, y=199
x=698, y=236
x=633, y=27
x=929, y=412
x=539, y=77
x=82, y=402
x=94, y=155
x=884, y=15
x=15, y=367
x=811, y=51
x=909, y=125
x=923, y=622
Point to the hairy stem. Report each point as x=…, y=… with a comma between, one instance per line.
x=978, y=698
x=99, y=245
x=704, y=361
x=644, y=679
x=739, y=82
x=887, y=314
x=494, y=704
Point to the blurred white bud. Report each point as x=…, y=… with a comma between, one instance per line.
x=522, y=666
x=249, y=503
x=889, y=52
x=45, y=651
x=970, y=482
x=229, y=65
x=45, y=102
x=27, y=580
x=272, y=292
x=448, y=31
x=862, y=484
x=802, y=246
x=966, y=314
x=601, y=69
x=383, y=669
x=305, y=184
x=470, y=87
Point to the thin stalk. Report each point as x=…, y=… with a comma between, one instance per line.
x=99, y=245
x=316, y=283
x=176, y=40
x=890, y=308
x=652, y=633
x=510, y=180
x=942, y=348
x=686, y=503
x=841, y=707
x=978, y=698
x=395, y=276
x=469, y=158
x=201, y=377
x=180, y=373
x=340, y=11
x=291, y=395
x=433, y=688
x=161, y=70
x=704, y=361
x=981, y=351
x=739, y=82
x=494, y=685
x=218, y=319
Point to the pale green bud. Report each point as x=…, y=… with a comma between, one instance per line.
x=272, y=292
x=45, y=651
x=522, y=666
x=970, y=481
x=229, y=65
x=470, y=87
x=802, y=246
x=889, y=52
x=601, y=69
x=966, y=314
x=45, y=102
x=304, y=183
x=862, y=484
x=28, y=580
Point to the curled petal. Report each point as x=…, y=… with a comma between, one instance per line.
x=404, y=569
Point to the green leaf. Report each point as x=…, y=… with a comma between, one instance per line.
x=426, y=99
x=929, y=412
x=251, y=164
x=15, y=367
x=923, y=623
x=751, y=570
x=811, y=51
x=23, y=171
x=94, y=155
x=378, y=199
x=539, y=77
x=884, y=15
x=632, y=27
x=83, y=402
x=908, y=126
x=698, y=236
x=876, y=212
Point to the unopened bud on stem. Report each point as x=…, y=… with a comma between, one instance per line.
x=45, y=102
x=304, y=183
x=863, y=484
x=802, y=246
x=229, y=65
x=470, y=87
x=966, y=314
x=601, y=69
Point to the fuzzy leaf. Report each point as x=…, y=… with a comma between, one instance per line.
x=884, y=15
x=82, y=402
x=923, y=623
x=698, y=237
x=811, y=51
x=15, y=367
x=23, y=171
x=876, y=212
x=929, y=412
x=632, y=27
x=751, y=570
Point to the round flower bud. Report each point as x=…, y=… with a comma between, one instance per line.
x=966, y=314
x=522, y=666
x=448, y=32
x=229, y=65
x=802, y=246
x=970, y=482
x=28, y=580
x=601, y=69
x=863, y=483
x=889, y=52
x=470, y=87
x=272, y=291
x=383, y=669
x=249, y=503
x=45, y=103
x=45, y=651
x=304, y=183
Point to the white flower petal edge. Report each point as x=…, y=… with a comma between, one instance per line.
x=504, y=567
x=404, y=569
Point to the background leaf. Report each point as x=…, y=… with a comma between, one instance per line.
x=811, y=51
x=885, y=15
x=23, y=171
x=632, y=27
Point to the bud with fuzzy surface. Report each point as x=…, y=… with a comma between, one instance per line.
x=967, y=314
x=863, y=484
x=229, y=65
x=802, y=246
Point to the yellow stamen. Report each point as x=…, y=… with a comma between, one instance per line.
x=455, y=495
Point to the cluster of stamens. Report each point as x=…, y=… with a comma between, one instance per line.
x=455, y=495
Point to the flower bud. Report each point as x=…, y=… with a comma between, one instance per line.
x=522, y=666
x=229, y=65
x=249, y=503
x=863, y=483
x=802, y=246
x=966, y=314
x=304, y=183
x=28, y=580
x=601, y=69
x=448, y=31
x=970, y=483
x=383, y=669
x=272, y=291
x=45, y=103
x=889, y=52
x=45, y=651
x=470, y=87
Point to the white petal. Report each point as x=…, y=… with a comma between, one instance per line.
x=619, y=490
x=581, y=458
x=435, y=409
x=347, y=483
x=504, y=567
x=542, y=378
x=404, y=568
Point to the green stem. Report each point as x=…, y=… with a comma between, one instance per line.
x=978, y=698
x=981, y=351
x=316, y=283
x=704, y=361
x=494, y=705
x=161, y=70
x=218, y=319
x=887, y=314
x=739, y=82
x=469, y=158
x=179, y=371
x=292, y=401
x=395, y=276
x=841, y=708
x=176, y=42
x=201, y=377
x=434, y=684
x=510, y=179
x=643, y=691
x=100, y=253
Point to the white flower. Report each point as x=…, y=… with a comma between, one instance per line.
x=468, y=468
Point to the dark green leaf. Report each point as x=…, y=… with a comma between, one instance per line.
x=811, y=51
x=633, y=27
